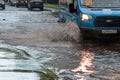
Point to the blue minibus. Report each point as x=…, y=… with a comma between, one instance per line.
x=95, y=18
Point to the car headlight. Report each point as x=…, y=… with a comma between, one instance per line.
x=85, y=17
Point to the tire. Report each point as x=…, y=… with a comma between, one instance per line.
x=3, y=7
x=62, y=19
x=26, y=6
x=11, y=4
x=30, y=9
x=41, y=8
x=17, y=6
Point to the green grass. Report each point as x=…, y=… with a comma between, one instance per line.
x=51, y=5
x=48, y=74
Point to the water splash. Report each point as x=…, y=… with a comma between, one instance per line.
x=19, y=52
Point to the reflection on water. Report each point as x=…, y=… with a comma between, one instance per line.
x=103, y=56
x=86, y=63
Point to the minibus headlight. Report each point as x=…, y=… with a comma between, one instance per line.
x=85, y=17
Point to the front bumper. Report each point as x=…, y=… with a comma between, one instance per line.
x=99, y=33
x=13, y=4
x=22, y=4
x=36, y=5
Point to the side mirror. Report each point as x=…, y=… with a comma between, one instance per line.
x=71, y=8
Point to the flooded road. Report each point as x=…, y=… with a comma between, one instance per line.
x=31, y=40
x=73, y=63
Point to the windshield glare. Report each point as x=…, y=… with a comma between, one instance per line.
x=100, y=3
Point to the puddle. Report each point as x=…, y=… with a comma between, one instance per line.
x=20, y=62
x=99, y=63
x=80, y=63
x=87, y=62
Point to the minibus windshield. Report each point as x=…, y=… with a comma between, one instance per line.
x=100, y=3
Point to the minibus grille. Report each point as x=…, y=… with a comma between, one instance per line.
x=107, y=21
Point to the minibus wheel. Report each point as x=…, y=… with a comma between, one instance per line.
x=61, y=20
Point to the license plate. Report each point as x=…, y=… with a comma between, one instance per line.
x=109, y=31
x=22, y=1
x=37, y=3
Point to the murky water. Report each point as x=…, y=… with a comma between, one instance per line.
x=91, y=60
x=94, y=63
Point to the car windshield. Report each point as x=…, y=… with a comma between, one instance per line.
x=100, y=3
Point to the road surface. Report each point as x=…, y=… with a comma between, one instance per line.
x=32, y=39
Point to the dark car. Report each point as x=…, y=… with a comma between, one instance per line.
x=36, y=4
x=21, y=3
x=2, y=4
x=12, y=2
